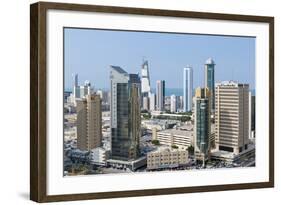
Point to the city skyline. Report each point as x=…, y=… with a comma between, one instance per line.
x=236, y=64
x=118, y=122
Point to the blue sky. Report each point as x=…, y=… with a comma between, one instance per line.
x=90, y=52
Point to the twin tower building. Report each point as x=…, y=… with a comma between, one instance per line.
x=226, y=103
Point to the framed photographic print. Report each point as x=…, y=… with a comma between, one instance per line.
x=135, y=102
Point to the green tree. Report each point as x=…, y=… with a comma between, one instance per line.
x=155, y=142
x=174, y=146
x=190, y=150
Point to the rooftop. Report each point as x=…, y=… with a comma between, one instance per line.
x=118, y=69
x=177, y=132
x=210, y=61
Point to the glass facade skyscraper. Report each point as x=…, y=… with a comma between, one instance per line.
x=210, y=80
x=125, y=114
x=202, y=124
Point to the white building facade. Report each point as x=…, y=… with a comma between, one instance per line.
x=174, y=103
x=187, y=88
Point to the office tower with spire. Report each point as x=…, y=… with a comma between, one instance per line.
x=89, y=122
x=125, y=114
x=210, y=80
x=187, y=88
x=232, y=116
x=160, y=95
x=202, y=124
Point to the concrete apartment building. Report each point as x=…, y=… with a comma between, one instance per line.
x=166, y=158
x=232, y=116
x=89, y=122
x=99, y=156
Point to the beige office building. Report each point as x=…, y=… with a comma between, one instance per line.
x=177, y=137
x=232, y=116
x=89, y=122
x=166, y=158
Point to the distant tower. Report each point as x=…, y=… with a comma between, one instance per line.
x=76, y=89
x=160, y=95
x=174, y=103
x=202, y=125
x=85, y=89
x=89, y=122
x=145, y=85
x=152, y=101
x=145, y=79
x=232, y=116
x=187, y=88
x=125, y=114
x=145, y=103
x=75, y=79
x=210, y=80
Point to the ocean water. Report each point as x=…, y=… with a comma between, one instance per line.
x=168, y=91
x=171, y=91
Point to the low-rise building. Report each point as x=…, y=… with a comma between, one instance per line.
x=133, y=164
x=99, y=156
x=159, y=124
x=70, y=133
x=182, y=138
x=166, y=158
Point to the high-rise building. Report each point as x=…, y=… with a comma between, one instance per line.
x=160, y=95
x=145, y=79
x=152, y=103
x=253, y=115
x=100, y=93
x=145, y=85
x=89, y=122
x=125, y=114
x=75, y=79
x=145, y=102
x=174, y=103
x=202, y=123
x=76, y=89
x=180, y=102
x=187, y=88
x=250, y=115
x=232, y=116
x=210, y=80
x=85, y=89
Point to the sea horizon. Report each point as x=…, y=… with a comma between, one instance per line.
x=168, y=91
